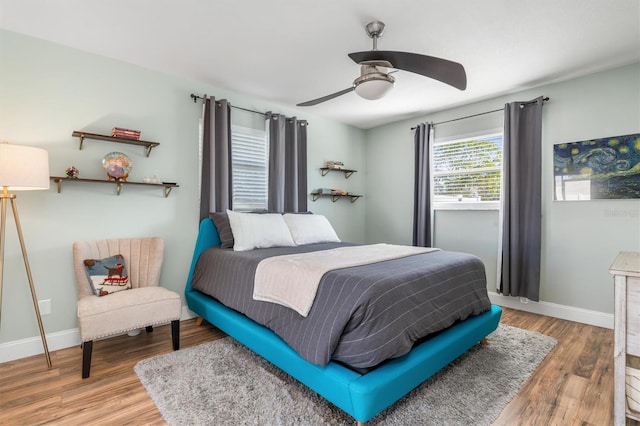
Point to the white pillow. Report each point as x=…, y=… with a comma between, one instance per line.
x=254, y=230
x=310, y=228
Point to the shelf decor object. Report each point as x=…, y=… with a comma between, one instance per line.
x=117, y=165
x=121, y=132
x=22, y=168
x=86, y=135
x=72, y=172
x=168, y=186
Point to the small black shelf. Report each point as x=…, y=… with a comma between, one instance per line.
x=335, y=197
x=347, y=172
x=86, y=135
x=119, y=184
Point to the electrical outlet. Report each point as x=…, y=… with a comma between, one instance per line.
x=44, y=306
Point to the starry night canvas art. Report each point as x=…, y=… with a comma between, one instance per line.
x=606, y=168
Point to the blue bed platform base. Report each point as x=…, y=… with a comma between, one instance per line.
x=361, y=396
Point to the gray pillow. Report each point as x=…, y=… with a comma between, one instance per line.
x=221, y=221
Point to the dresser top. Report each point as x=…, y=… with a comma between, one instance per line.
x=626, y=263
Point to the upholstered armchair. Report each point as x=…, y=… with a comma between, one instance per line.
x=142, y=303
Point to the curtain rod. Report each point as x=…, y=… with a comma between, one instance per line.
x=546, y=98
x=196, y=97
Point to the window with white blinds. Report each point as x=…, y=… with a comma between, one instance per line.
x=250, y=167
x=467, y=171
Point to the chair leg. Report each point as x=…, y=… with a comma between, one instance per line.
x=149, y=328
x=87, y=348
x=175, y=334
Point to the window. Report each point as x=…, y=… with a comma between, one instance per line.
x=250, y=166
x=467, y=172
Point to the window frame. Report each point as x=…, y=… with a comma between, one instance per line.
x=465, y=205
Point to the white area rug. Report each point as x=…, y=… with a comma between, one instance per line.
x=223, y=383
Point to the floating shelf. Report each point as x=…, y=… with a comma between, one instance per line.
x=334, y=197
x=119, y=184
x=347, y=172
x=86, y=135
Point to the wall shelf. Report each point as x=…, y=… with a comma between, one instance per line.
x=335, y=197
x=347, y=172
x=86, y=135
x=119, y=184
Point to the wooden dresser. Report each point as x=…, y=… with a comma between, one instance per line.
x=626, y=348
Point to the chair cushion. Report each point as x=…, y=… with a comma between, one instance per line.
x=108, y=275
x=127, y=310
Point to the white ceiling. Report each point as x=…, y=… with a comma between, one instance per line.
x=290, y=51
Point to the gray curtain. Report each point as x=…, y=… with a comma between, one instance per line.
x=215, y=185
x=522, y=200
x=422, y=214
x=287, y=163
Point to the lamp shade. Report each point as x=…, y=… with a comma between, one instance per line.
x=373, y=85
x=23, y=167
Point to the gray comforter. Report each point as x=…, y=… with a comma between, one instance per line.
x=362, y=315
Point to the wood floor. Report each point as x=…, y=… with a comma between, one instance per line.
x=573, y=385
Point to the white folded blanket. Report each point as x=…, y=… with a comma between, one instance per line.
x=292, y=280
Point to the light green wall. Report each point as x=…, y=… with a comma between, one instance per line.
x=580, y=239
x=47, y=91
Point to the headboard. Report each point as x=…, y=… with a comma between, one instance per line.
x=207, y=238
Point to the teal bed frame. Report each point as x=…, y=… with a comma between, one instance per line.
x=361, y=396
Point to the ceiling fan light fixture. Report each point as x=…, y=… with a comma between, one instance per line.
x=373, y=86
x=377, y=65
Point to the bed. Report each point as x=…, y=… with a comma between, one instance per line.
x=360, y=392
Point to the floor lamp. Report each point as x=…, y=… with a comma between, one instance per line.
x=21, y=168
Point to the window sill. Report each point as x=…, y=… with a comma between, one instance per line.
x=490, y=205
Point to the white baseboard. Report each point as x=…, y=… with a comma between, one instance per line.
x=31, y=346
x=585, y=316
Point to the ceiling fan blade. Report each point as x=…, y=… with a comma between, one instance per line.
x=326, y=98
x=449, y=72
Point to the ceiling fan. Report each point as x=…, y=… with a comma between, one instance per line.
x=376, y=67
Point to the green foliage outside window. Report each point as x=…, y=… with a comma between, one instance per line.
x=468, y=170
